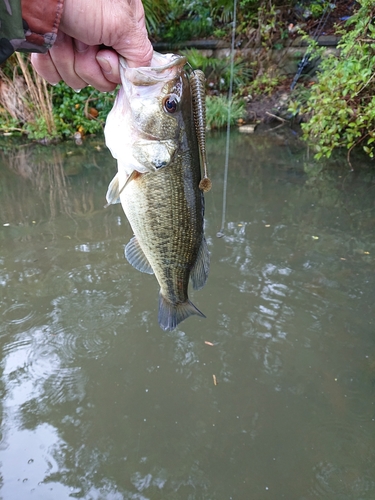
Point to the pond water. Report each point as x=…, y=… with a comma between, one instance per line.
x=97, y=402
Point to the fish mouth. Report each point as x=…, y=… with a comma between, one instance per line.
x=163, y=68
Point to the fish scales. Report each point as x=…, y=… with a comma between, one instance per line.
x=162, y=200
x=172, y=236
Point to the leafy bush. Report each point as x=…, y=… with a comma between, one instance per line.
x=28, y=105
x=186, y=21
x=341, y=105
x=83, y=111
x=265, y=84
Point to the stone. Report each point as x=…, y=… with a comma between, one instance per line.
x=247, y=129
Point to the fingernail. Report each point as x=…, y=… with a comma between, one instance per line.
x=104, y=64
x=80, y=46
x=77, y=90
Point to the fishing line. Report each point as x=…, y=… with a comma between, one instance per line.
x=220, y=234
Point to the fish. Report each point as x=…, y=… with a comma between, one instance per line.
x=152, y=133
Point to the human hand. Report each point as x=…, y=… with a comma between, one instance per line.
x=78, y=56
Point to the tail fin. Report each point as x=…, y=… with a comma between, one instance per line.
x=170, y=315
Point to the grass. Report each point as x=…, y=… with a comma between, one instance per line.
x=26, y=100
x=217, y=108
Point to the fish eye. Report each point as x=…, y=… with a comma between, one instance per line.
x=170, y=104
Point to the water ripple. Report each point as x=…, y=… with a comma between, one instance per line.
x=82, y=345
x=35, y=368
x=19, y=315
x=68, y=384
x=85, y=327
x=42, y=361
x=332, y=481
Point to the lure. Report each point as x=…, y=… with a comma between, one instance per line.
x=198, y=93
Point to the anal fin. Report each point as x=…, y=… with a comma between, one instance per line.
x=136, y=257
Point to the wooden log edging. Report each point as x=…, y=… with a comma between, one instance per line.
x=286, y=59
x=212, y=44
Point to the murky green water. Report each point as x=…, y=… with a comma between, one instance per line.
x=98, y=403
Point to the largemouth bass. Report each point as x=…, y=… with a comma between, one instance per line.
x=151, y=132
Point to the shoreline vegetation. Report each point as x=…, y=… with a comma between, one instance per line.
x=308, y=63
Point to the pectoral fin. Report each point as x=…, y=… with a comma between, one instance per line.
x=201, y=267
x=136, y=257
x=113, y=191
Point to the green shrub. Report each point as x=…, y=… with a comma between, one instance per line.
x=341, y=106
x=265, y=84
x=29, y=106
x=84, y=111
x=186, y=21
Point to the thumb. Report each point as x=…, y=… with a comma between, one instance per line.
x=109, y=62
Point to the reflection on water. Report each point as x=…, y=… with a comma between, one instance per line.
x=98, y=403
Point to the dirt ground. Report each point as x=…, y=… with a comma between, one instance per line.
x=273, y=108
